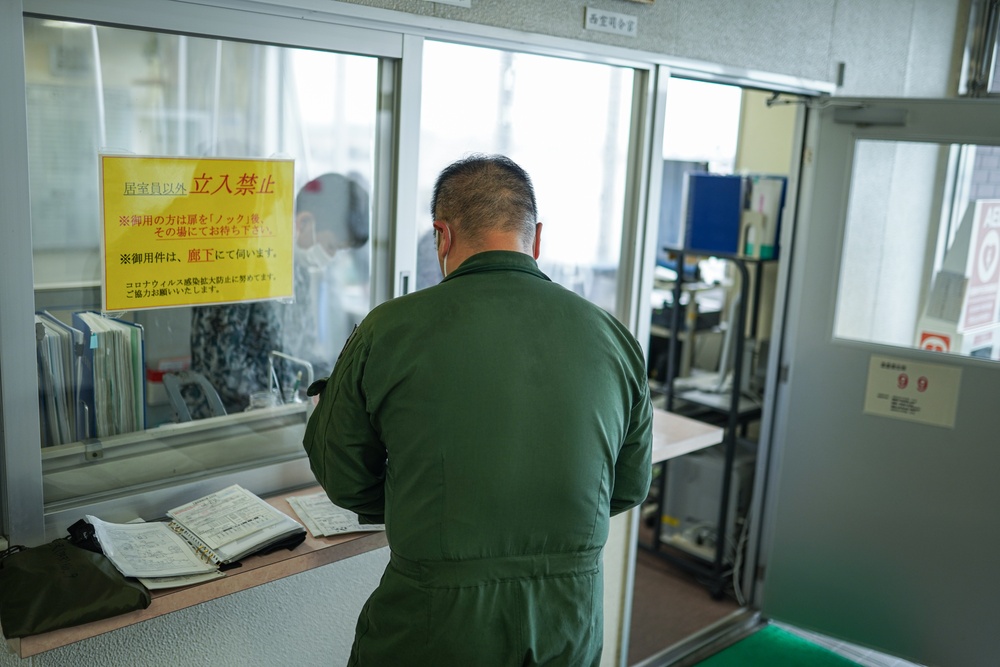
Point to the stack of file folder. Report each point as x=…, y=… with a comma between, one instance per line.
x=59, y=348
x=91, y=377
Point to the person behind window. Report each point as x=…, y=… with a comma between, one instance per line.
x=494, y=422
x=231, y=344
x=332, y=229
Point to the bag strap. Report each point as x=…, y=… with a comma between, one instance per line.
x=10, y=552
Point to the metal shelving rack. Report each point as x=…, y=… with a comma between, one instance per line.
x=716, y=570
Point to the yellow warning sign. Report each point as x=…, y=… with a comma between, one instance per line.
x=190, y=231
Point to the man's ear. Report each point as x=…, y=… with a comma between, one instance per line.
x=537, y=246
x=443, y=238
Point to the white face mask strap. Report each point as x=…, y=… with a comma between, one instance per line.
x=444, y=263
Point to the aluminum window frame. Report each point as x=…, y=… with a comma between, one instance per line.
x=397, y=39
x=26, y=518
x=980, y=75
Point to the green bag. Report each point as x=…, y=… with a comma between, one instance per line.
x=59, y=585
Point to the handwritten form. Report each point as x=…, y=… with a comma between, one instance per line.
x=225, y=516
x=323, y=518
x=147, y=549
x=218, y=529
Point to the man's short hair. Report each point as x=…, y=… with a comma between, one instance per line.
x=483, y=193
x=340, y=205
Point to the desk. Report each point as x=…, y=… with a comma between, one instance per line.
x=255, y=570
x=674, y=435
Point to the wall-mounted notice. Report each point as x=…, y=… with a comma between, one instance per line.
x=192, y=231
x=613, y=22
x=920, y=392
x=982, y=301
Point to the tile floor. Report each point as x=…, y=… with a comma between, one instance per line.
x=669, y=605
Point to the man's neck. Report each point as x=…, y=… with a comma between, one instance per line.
x=492, y=241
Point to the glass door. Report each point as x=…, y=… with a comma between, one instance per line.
x=881, y=514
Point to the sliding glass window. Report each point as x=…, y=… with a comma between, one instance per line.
x=200, y=215
x=567, y=123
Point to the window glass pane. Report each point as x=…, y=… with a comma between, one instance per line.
x=565, y=122
x=700, y=133
x=995, y=82
x=909, y=276
x=93, y=90
x=702, y=123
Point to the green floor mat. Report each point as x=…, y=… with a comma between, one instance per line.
x=774, y=647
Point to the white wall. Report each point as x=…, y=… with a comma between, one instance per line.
x=890, y=47
x=307, y=619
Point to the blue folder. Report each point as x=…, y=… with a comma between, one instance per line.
x=713, y=204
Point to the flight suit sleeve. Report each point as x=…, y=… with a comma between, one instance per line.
x=634, y=468
x=345, y=452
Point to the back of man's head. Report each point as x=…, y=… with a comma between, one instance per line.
x=482, y=194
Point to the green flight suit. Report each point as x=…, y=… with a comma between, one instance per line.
x=494, y=423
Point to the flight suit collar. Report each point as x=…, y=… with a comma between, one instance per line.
x=498, y=260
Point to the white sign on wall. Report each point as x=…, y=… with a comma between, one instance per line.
x=911, y=391
x=982, y=302
x=604, y=21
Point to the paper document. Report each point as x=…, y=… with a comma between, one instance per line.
x=225, y=516
x=323, y=518
x=166, y=555
x=155, y=583
x=232, y=523
x=147, y=549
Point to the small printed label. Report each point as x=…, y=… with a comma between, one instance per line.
x=912, y=391
x=457, y=3
x=604, y=21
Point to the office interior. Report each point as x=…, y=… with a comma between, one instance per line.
x=609, y=125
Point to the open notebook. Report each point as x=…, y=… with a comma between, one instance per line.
x=201, y=537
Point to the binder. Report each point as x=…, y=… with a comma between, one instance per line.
x=58, y=348
x=753, y=234
x=233, y=523
x=671, y=227
x=113, y=369
x=735, y=215
x=767, y=197
x=713, y=204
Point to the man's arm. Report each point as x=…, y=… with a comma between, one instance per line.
x=633, y=469
x=344, y=450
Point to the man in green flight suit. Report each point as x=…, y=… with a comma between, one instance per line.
x=494, y=422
